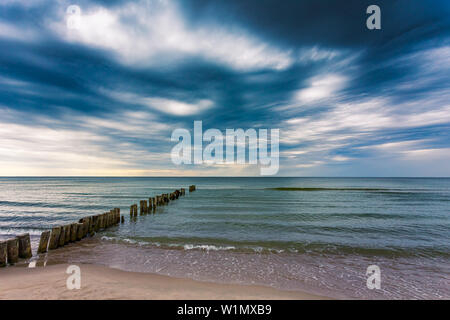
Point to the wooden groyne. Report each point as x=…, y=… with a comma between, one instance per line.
x=12, y=248
x=24, y=246
x=3, y=253
x=20, y=246
x=45, y=236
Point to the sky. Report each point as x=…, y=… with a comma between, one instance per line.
x=103, y=98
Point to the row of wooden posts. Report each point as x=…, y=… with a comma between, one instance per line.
x=13, y=249
x=160, y=200
x=20, y=246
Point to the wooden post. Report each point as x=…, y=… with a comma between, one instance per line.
x=86, y=222
x=3, y=253
x=106, y=218
x=85, y=228
x=111, y=217
x=123, y=219
x=105, y=221
x=80, y=231
x=101, y=222
x=67, y=233
x=12, y=248
x=115, y=216
x=62, y=237
x=43, y=242
x=54, y=238
x=24, y=246
x=95, y=222
x=73, y=232
x=91, y=225
x=135, y=210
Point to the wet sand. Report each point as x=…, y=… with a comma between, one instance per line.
x=103, y=283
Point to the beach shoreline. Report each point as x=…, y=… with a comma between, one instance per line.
x=104, y=283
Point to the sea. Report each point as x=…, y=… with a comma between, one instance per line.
x=316, y=235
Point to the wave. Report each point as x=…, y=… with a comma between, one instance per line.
x=286, y=248
x=205, y=247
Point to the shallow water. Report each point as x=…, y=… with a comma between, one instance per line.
x=312, y=234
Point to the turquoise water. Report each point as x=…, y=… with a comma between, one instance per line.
x=330, y=228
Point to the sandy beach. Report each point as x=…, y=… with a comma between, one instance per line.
x=97, y=282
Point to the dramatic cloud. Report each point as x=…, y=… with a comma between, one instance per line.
x=104, y=97
x=159, y=30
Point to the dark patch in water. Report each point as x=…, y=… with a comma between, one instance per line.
x=327, y=189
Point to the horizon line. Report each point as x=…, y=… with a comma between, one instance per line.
x=380, y=177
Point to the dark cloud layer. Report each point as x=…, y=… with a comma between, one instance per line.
x=342, y=92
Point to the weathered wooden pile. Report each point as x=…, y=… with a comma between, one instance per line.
x=149, y=206
x=13, y=249
x=88, y=226
x=20, y=247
